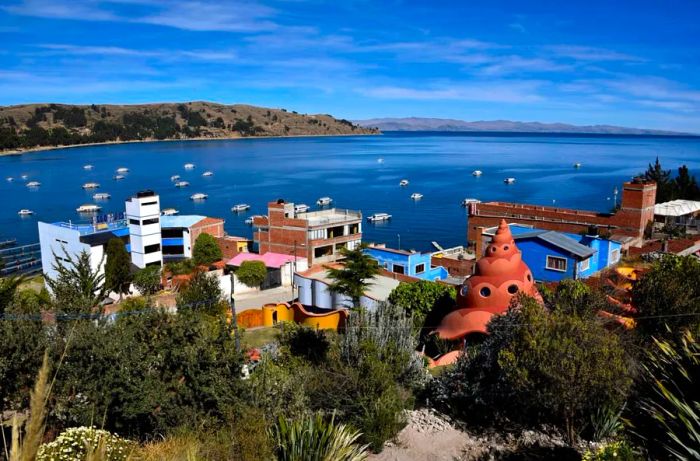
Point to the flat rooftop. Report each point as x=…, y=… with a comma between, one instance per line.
x=330, y=216
x=86, y=228
x=379, y=290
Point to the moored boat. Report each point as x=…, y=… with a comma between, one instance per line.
x=182, y=184
x=301, y=208
x=91, y=185
x=175, y=177
x=199, y=196
x=25, y=212
x=101, y=196
x=10, y=178
x=24, y=176
x=88, y=208
x=378, y=217
x=403, y=182
x=467, y=201
x=122, y=169
x=250, y=219
x=118, y=177
x=240, y=207
x=189, y=166
x=208, y=173
x=33, y=184
x=509, y=180
x=87, y=167
x=169, y=212
x=323, y=201
x=416, y=196
x=477, y=173
x=577, y=165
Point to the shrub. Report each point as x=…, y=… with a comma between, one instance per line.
x=202, y=293
x=252, y=273
x=147, y=280
x=82, y=443
x=614, y=451
x=117, y=267
x=306, y=342
x=186, y=266
x=279, y=388
x=206, y=251
x=421, y=298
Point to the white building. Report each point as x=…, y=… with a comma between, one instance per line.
x=143, y=216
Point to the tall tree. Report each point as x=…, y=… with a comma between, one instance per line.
x=206, y=250
x=77, y=287
x=202, y=293
x=355, y=276
x=686, y=185
x=664, y=185
x=118, y=267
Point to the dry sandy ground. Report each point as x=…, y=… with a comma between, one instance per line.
x=412, y=445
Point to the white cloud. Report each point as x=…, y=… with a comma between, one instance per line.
x=590, y=54
x=504, y=92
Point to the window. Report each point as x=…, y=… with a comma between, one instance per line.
x=354, y=229
x=485, y=292
x=320, y=252
x=615, y=255
x=386, y=266
x=135, y=222
x=512, y=289
x=585, y=264
x=149, y=203
x=151, y=248
x=171, y=233
x=398, y=269
x=420, y=268
x=62, y=241
x=556, y=263
x=151, y=221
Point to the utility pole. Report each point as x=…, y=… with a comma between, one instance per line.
x=399, y=236
x=234, y=320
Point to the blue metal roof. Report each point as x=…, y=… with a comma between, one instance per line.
x=180, y=221
x=566, y=243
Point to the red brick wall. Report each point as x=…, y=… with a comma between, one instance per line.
x=455, y=267
x=215, y=229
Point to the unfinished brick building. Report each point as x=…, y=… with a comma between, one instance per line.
x=626, y=225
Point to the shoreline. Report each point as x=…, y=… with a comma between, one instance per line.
x=31, y=150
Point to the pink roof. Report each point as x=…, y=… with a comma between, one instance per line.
x=269, y=259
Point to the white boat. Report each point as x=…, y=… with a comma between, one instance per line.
x=323, y=201
x=189, y=166
x=169, y=212
x=250, y=220
x=416, y=196
x=577, y=165
x=87, y=167
x=118, y=177
x=199, y=196
x=122, y=170
x=24, y=176
x=182, y=184
x=175, y=177
x=509, y=180
x=403, y=182
x=377, y=217
x=10, y=178
x=380, y=160
x=101, y=196
x=477, y=173
x=91, y=185
x=301, y=208
x=25, y=212
x=240, y=207
x=33, y=184
x=467, y=201
x=208, y=173
x=88, y=208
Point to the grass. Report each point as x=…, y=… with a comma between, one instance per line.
x=258, y=337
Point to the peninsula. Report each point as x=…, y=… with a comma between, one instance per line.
x=35, y=126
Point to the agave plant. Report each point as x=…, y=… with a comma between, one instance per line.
x=673, y=374
x=313, y=439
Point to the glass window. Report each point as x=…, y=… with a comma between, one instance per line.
x=151, y=248
x=420, y=268
x=556, y=263
x=151, y=221
x=615, y=256
x=135, y=222
x=585, y=264
x=399, y=269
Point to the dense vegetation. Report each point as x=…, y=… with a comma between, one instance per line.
x=669, y=187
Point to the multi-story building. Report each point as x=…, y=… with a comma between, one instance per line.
x=410, y=263
x=317, y=235
x=143, y=218
x=180, y=232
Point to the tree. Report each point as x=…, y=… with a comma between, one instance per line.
x=77, y=288
x=664, y=186
x=354, y=277
x=147, y=280
x=686, y=185
x=206, y=250
x=118, y=267
x=202, y=293
x=421, y=298
x=252, y=273
x=8, y=289
x=669, y=297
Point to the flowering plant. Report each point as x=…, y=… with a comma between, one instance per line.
x=77, y=443
x=618, y=451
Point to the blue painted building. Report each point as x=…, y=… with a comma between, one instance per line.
x=553, y=256
x=413, y=264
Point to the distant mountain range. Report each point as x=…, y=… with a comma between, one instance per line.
x=446, y=124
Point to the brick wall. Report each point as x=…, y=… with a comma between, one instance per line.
x=455, y=267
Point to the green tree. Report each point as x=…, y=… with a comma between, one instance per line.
x=118, y=267
x=77, y=287
x=355, y=276
x=664, y=184
x=252, y=273
x=668, y=296
x=202, y=293
x=206, y=250
x=147, y=280
x=8, y=289
x=686, y=185
x=422, y=298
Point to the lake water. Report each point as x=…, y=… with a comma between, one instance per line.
x=348, y=169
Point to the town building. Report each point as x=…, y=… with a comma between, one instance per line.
x=280, y=270
x=410, y=263
x=317, y=236
x=553, y=256
x=630, y=220
x=143, y=218
x=179, y=232
x=232, y=245
x=679, y=213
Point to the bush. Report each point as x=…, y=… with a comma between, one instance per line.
x=147, y=280
x=306, y=342
x=614, y=451
x=184, y=267
x=206, y=251
x=421, y=298
x=202, y=293
x=252, y=273
x=82, y=443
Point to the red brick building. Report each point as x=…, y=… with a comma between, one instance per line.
x=316, y=235
x=636, y=211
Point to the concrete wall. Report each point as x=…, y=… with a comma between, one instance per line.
x=315, y=293
x=63, y=242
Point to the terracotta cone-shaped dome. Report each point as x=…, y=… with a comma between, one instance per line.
x=499, y=276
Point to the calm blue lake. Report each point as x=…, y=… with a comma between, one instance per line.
x=348, y=169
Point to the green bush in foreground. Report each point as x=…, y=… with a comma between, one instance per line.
x=81, y=443
x=252, y=273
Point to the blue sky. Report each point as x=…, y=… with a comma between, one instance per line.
x=632, y=63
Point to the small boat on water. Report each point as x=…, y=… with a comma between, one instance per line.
x=182, y=184
x=10, y=179
x=25, y=212
x=169, y=212
x=88, y=208
x=403, y=182
x=301, y=208
x=477, y=173
x=199, y=196
x=101, y=196
x=175, y=177
x=468, y=201
x=240, y=207
x=509, y=180
x=24, y=176
x=118, y=177
x=578, y=165
x=189, y=166
x=122, y=169
x=87, y=167
x=208, y=173
x=380, y=160
x=33, y=184
x=91, y=185
x=323, y=201
x=250, y=220
x=378, y=217
x=416, y=196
